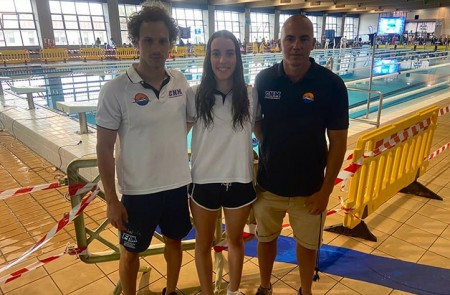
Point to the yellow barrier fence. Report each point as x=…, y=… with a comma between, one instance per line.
x=179, y=51
x=255, y=47
x=390, y=159
x=15, y=56
x=92, y=54
x=199, y=50
x=126, y=53
x=416, y=47
x=54, y=54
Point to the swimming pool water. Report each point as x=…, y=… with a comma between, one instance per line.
x=82, y=81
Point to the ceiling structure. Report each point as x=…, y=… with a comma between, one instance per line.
x=334, y=6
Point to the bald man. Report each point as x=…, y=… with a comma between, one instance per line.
x=302, y=103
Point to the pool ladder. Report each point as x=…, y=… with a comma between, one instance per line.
x=369, y=97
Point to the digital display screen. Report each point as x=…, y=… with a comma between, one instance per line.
x=385, y=66
x=391, y=25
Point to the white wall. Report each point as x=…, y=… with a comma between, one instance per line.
x=442, y=13
x=367, y=20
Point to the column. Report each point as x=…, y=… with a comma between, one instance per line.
x=276, y=26
x=342, y=25
x=114, y=21
x=324, y=21
x=44, y=19
x=247, y=26
x=211, y=20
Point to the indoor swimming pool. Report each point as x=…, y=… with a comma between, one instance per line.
x=398, y=75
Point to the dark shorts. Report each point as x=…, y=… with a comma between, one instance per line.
x=213, y=196
x=168, y=209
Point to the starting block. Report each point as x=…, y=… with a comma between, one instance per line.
x=2, y=95
x=80, y=107
x=28, y=90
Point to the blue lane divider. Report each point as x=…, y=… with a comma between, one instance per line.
x=396, y=274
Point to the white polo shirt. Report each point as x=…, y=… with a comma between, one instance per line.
x=219, y=153
x=152, y=132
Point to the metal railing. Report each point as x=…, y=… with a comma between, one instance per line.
x=369, y=99
x=85, y=235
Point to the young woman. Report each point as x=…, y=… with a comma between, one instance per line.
x=223, y=116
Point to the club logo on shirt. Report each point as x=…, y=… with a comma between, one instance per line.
x=141, y=99
x=308, y=97
x=175, y=93
x=272, y=94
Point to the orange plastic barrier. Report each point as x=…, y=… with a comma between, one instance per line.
x=127, y=53
x=255, y=47
x=179, y=51
x=54, y=54
x=399, y=150
x=14, y=56
x=92, y=54
x=199, y=50
x=276, y=49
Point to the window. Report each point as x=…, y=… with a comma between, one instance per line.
x=282, y=20
x=349, y=28
x=192, y=19
x=228, y=20
x=17, y=24
x=314, y=20
x=259, y=26
x=331, y=23
x=125, y=11
x=77, y=23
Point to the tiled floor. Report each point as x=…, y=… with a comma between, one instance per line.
x=408, y=228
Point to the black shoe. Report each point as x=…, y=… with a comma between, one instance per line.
x=264, y=291
x=171, y=293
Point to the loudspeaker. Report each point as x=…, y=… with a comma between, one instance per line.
x=416, y=16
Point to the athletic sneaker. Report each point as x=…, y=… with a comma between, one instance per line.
x=234, y=292
x=264, y=291
x=171, y=293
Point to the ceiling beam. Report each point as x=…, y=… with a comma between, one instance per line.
x=344, y=6
x=276, y=3
x=230, y=2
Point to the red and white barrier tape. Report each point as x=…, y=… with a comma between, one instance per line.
x=81, y=188
x=444, y=110
x=28, y=189
x=399, y=137
x=60, y=225
x=73, y=189
x=349, y=154
x=437, y=152
x=344, y=209
x=18, y=273
x=348, y=172
x=388, y=143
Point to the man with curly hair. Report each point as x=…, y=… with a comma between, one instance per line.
x=145, y=108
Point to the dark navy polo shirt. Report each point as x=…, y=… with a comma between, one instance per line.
x=295, y=117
